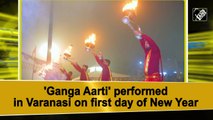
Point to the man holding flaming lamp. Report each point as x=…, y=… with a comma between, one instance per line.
x=104, y=63
x=83, y=70
x=152, y=51
x=68, y=74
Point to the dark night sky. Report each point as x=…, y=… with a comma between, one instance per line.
x=160, y=115
x=200, y=26
x=74, y=21
x=11, y=4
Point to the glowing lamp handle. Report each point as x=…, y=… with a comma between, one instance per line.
x=126, y=20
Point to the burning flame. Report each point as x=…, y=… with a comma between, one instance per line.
x=91, y=39
x=68, y=50
x=131, y=5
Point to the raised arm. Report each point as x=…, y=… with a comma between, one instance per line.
x=145, y=40
x=145, y=43
x=76, y=66
x=63, y=70
x=99, y=61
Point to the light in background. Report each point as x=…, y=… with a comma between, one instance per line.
x=95, y=69
x=55, y=51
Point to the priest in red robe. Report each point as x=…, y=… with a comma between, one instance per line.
x=82, y=70
x=68, y=74
x=105, y=64
x=153, y=63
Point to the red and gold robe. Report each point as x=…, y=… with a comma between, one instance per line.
x=106, y=73
x=84, y=76
x=152, y=60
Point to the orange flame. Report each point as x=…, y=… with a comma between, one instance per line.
x=68, y=50
x=91, y=39
x=131, y=5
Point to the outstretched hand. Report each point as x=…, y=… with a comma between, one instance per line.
x=100, y=55
x=93, y=51
x=133, y=26
x=68, y=59
x=73, y=61
x=138, y=33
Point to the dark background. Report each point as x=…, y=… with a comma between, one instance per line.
x=7, y=7
x=200, y=26
x=175, y=115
